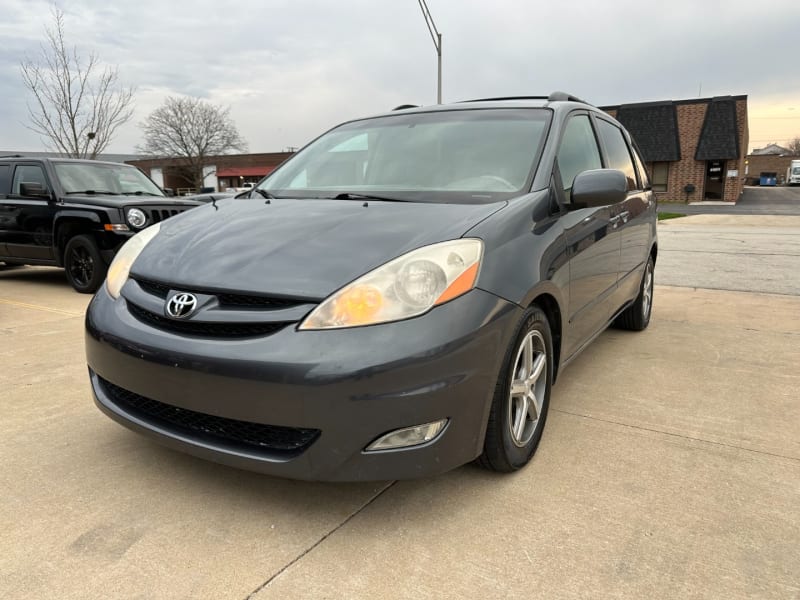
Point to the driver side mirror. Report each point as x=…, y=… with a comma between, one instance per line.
x=33, y=188
x=598, y=187
x=168, y=192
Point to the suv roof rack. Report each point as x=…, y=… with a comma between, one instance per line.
x=554, y=97
x=565, y=97
x=404, y=106
x=12, y=156
x=501, y=98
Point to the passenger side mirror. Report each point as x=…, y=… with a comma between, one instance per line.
x=33, y=188
x=598, y=187
x=169, y=192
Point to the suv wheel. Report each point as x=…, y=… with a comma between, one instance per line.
x=84, y=265
x=637, y=316
x=522, y=396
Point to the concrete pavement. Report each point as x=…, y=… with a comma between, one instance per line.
x=755, y=200
x=670, y=467
x=731, y=252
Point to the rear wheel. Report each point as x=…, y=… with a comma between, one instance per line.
x=637, y=316
x=84, y=264
x=522, y=396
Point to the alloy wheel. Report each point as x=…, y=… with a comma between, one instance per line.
x=647, y=291
x=81, y=266
x=528, y=388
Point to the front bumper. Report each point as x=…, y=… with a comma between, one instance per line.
x=352, y=385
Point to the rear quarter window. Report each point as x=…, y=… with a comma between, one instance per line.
x=5, y=171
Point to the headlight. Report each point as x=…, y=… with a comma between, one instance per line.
x=121, y=265
x=136, y=217
x=404, y=287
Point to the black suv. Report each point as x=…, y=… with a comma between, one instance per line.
x=393, y=301
x=75, y=213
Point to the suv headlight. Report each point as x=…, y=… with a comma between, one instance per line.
x=405, y=287
x=136, y=217
x=123, y=261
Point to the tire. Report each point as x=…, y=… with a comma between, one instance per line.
x=512, y=434
x=84, y=264
x=637, y=316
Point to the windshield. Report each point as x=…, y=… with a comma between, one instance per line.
x=796, y=171
x=448, y=156
x=81, y=177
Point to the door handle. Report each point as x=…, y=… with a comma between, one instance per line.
x=624, y=215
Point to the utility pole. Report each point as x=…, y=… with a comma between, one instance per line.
x=437, y=42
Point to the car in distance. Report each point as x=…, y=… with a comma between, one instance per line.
x=75, y=213
x=395, y=300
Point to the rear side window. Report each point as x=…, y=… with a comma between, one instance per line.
x=27, y=174
x=619, y=155
x=5, y=171
x=578, y=151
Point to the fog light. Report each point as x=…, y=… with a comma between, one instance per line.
x=409, y=436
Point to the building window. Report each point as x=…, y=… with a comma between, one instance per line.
x=659, y=172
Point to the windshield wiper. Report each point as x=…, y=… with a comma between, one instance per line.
x=92, y=192
x=351, y=196
x=265, y=194
x=143, y=193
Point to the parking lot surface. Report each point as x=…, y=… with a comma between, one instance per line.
x=669, y=468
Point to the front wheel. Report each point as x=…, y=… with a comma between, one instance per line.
x=522, y=396
x=84, y=264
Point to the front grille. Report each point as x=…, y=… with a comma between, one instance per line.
x=157, y=215
x=156, y=288
x=277, y=439
x=216, y=329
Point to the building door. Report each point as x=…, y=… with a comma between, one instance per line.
x=715, y=180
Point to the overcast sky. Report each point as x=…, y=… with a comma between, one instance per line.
x=290, y=69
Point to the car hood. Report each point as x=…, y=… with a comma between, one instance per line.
x=123, y=201
x=295, y=248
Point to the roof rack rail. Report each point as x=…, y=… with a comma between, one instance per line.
x=565, y=97
x=13, y=156
x=404, y=106
x=501, y=98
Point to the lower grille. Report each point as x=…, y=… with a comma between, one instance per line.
x=287, y=441
x=215, y=329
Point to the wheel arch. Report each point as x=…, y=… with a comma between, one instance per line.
x=68, y=226
x=548, y=303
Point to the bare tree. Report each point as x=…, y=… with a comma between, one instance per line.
x=794, y=146
x=78, y=104
x=191, y=129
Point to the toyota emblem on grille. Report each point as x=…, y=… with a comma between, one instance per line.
x=181, y=305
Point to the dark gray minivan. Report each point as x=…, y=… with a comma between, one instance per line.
x=394, y=301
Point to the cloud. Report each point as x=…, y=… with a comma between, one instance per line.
x=291, y=69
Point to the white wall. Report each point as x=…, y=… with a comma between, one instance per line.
x=157, y=175
x=210, y=177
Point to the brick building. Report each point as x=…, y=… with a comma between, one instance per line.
x=772, y=160
x=221, y=172
x=694, y=149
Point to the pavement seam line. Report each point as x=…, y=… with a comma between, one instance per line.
x=730, y=253
x=708, y=289
x=678, y=435
x=296, y=559
x=39, y=307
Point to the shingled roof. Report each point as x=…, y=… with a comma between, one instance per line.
x=654, y=128
x=719, y=139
